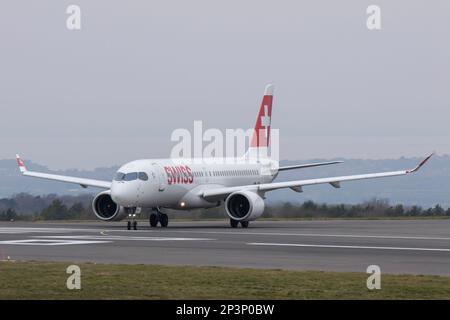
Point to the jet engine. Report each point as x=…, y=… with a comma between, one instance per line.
x=244, y=206
x=106, y=209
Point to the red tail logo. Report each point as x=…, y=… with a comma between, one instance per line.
x=20, y=162
x=261, y=133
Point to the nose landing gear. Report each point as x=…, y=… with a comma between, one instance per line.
x=160, y=217
x=132, y=223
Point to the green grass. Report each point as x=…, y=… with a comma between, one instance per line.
x=47, y=280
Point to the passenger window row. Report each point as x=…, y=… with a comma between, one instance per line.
x=198, y=173
x=227, y=173
x=131, y=176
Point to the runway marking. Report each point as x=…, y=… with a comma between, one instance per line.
x=125, y=238
x=103, y=231
x=344, y=247
x=15, y=230
x=317, y=235
x=48, y=242
x=31, y=230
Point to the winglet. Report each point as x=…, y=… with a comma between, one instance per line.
x=20, y=164
x=420, y=164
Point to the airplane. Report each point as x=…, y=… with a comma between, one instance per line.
x=179, y=184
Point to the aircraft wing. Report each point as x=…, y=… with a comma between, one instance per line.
x=298, y=184
x=307, y=165
x=81, y=181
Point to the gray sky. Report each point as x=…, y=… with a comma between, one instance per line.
x=116, y=89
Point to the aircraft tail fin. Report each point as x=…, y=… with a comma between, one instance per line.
x=260, y=139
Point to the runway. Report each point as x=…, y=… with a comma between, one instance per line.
x=396, y=246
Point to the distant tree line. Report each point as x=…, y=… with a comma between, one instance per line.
x=372, y=208
x=56, y=210
x=52, y=207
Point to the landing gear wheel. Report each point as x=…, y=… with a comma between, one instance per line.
x=131, y=212
x=234, y=223
x=244, y=224
x=153, y=220
x=164, y=220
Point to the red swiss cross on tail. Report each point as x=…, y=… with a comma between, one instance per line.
x=20, y=164
x=261, y=133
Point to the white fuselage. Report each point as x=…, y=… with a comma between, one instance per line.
x=178, y=184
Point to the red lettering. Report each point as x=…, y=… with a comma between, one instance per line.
x=184, y=175
x=179, y=175
x=190, y=175
x=169, y=175
x=174, y=175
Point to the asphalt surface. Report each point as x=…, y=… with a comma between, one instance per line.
x=396, y=246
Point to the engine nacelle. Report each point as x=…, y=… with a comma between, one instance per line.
x=106, y=209
x=244, y=205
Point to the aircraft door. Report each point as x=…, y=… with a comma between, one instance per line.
x=160, y=176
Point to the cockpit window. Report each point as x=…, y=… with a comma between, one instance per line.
x=119, y=176
x=130, y=176
x=143, y=176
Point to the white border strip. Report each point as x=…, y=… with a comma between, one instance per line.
x=344, y=247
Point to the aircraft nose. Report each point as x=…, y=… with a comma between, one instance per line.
x=115, y=192
x=123, y=193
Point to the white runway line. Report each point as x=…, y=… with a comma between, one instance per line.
x=344, y=247
x=28, y=230
x=247, y=233
x=125, y=238
x=14, y=230
x=47, y=242
x=317, y=235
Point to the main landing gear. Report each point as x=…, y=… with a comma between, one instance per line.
x=235, y=223
x=160, y=217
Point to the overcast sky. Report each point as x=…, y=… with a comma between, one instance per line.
x=116, y=89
